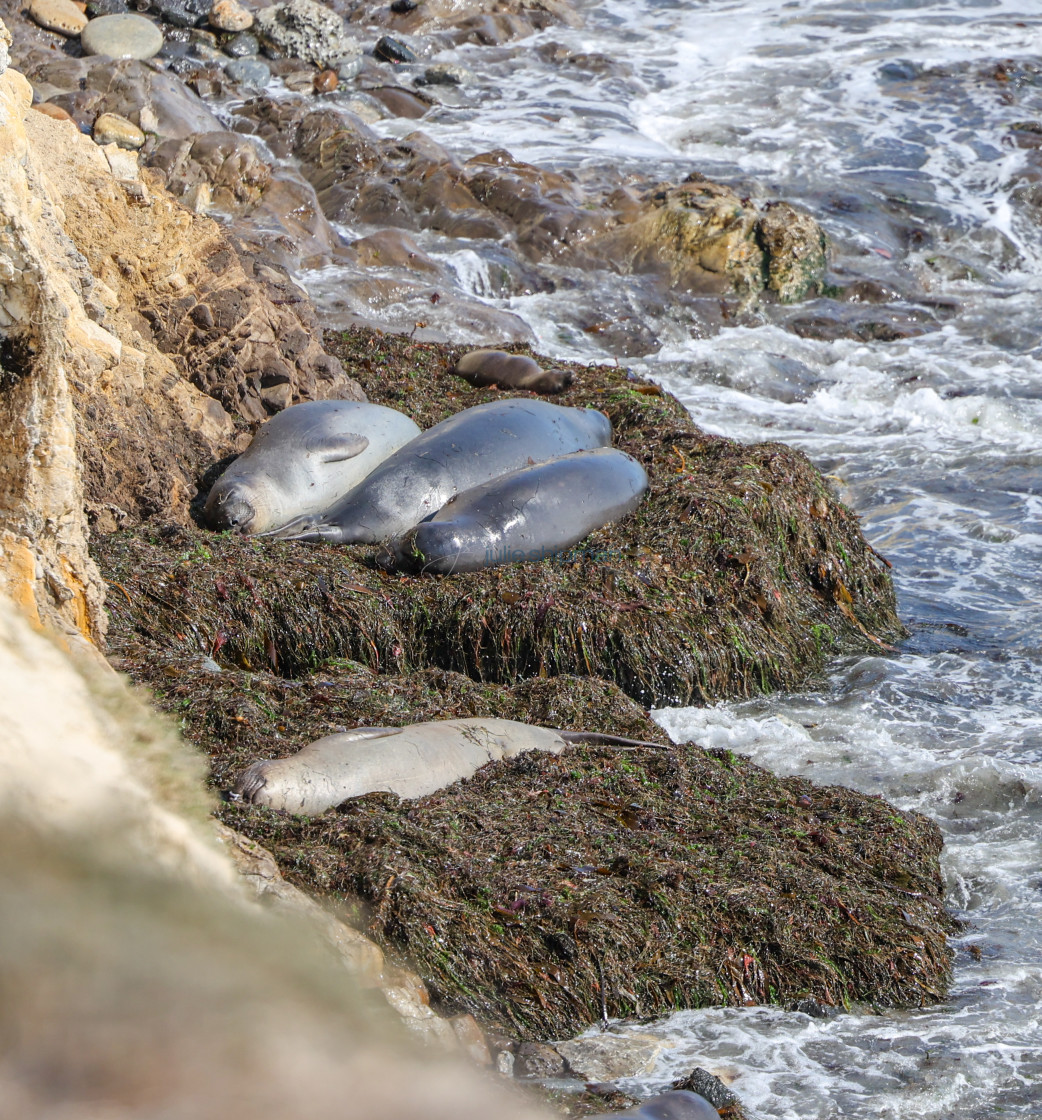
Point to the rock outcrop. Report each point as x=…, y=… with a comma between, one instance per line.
x=136, y=343
x=137, y=976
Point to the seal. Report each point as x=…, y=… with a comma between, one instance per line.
x=536, y=513
x=468, y=449
x=678, y=1104
x=510, y=371
x=302, y=460
x=410, y=761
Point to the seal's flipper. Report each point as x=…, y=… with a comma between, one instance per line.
x=336, y=448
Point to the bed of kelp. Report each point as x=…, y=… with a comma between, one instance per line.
x=548, y=893
x=740, y=572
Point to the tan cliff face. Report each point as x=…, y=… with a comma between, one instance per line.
x=137, y=978
x=136, y=343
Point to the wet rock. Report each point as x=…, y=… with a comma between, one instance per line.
x=230, y=15
x=538, y=1060
x=447, y=74
x=349, y=66
x=607, y=1057
x=708, y=1085
x=228, y=163
x=680, y=1104
x=830, y=320
x=387, y=49
x=110, y=128
x=403, y=7
x=307, y=30
x=97, y=8
x=400, y=102
x=181, y=13
x=122, y=36
x=796, y=250
x=242, y=45
x=250, y=72
x=61, y=16
x=156, y=102
x=326, y=81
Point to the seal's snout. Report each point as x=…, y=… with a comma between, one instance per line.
x=230, y=509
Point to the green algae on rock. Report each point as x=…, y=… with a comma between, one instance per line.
x=739, y=573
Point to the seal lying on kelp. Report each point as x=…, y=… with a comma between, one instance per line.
x=531, y=514
x=468, y=449
x=409, y=761
x=302, y=460
x=510, y=371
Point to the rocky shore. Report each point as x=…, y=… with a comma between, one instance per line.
x=154, y=211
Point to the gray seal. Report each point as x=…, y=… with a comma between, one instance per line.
x=409, y=761
x=536, y=513
x=302, y=460
x=678, y=1104
x=468, y=449
x=510, y=371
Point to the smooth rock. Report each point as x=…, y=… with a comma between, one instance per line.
x=350, y=66
x=122, y=36
x=110, y=128
x=393, y=50
x=249, y=72
x=230, y=15
x=325, y=81
x=55, y=112
x=306, y=30
x=403, y=7
x=61, y=16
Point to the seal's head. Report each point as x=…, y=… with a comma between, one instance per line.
x=229, y=507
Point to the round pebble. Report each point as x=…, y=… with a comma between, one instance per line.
x=326, y=81
x=249, y=72
x=61, y=16
x=230, y=15
x=403, y=7
x=55, y=112
x=122, y=36
x=111, y=128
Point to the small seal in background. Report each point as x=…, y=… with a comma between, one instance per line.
x=483, y=368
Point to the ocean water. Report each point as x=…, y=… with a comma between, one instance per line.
x=891, y=122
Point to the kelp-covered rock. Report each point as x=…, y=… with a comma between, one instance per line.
x=739, y=573
x=540, y=894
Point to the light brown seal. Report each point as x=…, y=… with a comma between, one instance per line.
x=510, y=371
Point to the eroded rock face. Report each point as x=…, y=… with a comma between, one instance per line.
x=123, y=921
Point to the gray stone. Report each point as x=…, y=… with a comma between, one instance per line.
x=243, y=45
x=306, y=30
x=249, y=72
x=608, y=1056
x=350, y=66
x=122, y=36
x=710, y=1086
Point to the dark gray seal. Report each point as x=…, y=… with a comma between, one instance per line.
x=536, y=513
x=302, y=460
x=468, y=449
x=679, y=1104
x=510, y=371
